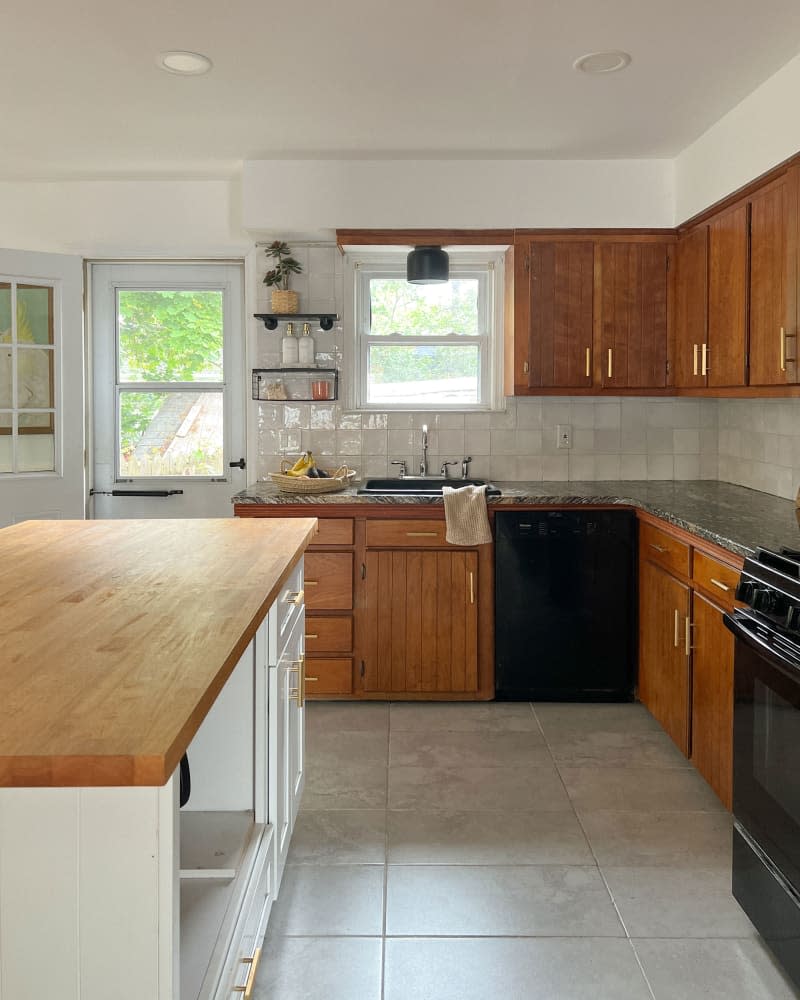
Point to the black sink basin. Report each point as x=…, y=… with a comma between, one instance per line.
x=419, y=486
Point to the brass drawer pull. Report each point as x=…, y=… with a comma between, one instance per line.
x=294, y=597
x=658, y=548
x=720, y=584
x=471, y=587
x=422, y=534
x=311, y=635
x=247, y=989
x=312, y=583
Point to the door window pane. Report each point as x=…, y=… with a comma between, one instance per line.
x=36, y=443
x=34, y=378
x=170, y=335
x=5, y=312
x=423, y=375
x=34, y=314
x=171, y=433
x=6, y=369
x=398, y=308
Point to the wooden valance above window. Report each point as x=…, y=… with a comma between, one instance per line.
x=423, y=237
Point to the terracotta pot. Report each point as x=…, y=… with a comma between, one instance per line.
x=285, y=302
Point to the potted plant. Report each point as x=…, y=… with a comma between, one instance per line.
x=283, y=299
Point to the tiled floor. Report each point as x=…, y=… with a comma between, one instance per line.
x=468, y=852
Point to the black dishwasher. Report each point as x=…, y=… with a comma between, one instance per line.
x=565, y=605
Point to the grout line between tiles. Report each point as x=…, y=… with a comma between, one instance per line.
x=386, y=852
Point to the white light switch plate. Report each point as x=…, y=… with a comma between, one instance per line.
x=563, y=436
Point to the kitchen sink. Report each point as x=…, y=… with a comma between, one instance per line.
x=421, y=486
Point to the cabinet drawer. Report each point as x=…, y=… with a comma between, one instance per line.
x=663, y=549
x=408, y=534
x=334, y=531
x=250, y=927
x=716, y=578
x=285, y=611
x=329, y=635
x=329, y=581
x=333, y=676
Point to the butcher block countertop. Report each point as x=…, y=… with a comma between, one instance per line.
x=117, y=636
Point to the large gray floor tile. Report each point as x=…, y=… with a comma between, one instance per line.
x=467, y=717
x=337, y=900
x=599, y=748
x=517, y=969
x=449, y=749
x=677, y=902
x=638, y=789
x=459, y=900
x=566, y=719
x=320, y=969
x=678, y=839
x=486, y=838
x=339, y=836
x=343, y=716
x=713, y=970
x=479, y=788
x=346, y=747
x=344, y=786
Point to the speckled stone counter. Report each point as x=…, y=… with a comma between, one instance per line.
x=736, y=518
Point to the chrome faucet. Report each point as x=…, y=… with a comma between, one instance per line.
x=402, y=473
x=423, y=465
x=465, y=467
x=445, y=465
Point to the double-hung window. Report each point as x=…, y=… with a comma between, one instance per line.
x=422, y=347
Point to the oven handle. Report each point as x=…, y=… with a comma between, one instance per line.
x=734, y=623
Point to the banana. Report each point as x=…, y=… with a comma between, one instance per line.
x=300, y=464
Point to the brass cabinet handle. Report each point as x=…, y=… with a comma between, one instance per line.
x=696, y=349
x=720, y=584
x=588, y=362
x=610, y=364
x=294, y=597
x=783, y=349
x=658, y=548
x=525, y=368
x=704, y=360
x=422, y=534
x=247, y=989
x=471, y=587
x=677, y=637
x=687, y=637
x=312, y=583
x=311, y=635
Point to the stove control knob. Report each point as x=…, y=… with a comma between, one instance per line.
x=764, y=599
x=793, y=617
x=745, y=591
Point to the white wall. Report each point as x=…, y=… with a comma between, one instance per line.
x=177, y=218
x=309, y=196
x=759, y=133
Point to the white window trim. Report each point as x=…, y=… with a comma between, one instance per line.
x=489, y=267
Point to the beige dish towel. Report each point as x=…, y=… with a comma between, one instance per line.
x=465, y=513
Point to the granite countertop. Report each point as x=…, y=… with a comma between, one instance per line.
x=734, y=517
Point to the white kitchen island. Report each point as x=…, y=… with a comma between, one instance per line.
x=122, y=645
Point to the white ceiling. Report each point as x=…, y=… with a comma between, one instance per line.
x=81, y=95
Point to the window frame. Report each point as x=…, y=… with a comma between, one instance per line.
x=121, y=387
x=489, y=268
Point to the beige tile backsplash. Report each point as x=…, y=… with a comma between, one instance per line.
x=759, y=444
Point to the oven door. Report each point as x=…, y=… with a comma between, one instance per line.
x=766, y=741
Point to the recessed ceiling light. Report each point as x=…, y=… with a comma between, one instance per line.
x=185, y=63
x=602, y=62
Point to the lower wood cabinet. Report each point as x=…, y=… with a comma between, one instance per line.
x=712, y=697
x=420, y=621
x=663, y=653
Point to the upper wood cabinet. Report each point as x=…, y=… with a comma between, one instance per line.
x=690, y=354
x=773, y=282
x=576, y=300
x=631, y=314
x=554, y=295
x=725, y=363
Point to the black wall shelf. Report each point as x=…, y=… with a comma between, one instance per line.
x=294, y=385
x=271, y=320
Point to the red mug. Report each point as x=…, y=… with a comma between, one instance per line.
x=321, y=389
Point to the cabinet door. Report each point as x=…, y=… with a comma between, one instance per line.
x=663, y=659
x=691, y=314
x=712, y=697
x=560, y=284
x=727, y=297
x=421, y=621
x=773, y=283
x=632, y=279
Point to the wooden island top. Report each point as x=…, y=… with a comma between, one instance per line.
x=117, y=636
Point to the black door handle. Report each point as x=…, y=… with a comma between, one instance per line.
x=238, y=465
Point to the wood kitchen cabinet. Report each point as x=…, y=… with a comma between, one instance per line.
x=663, y=655
x=723, y=358
x=421, y=621
x=773, y=282
x=690, y=352
x=631, y=284
x=554, y=294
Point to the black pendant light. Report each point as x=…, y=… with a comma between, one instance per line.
x=427, y=266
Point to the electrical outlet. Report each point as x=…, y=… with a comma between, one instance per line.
x=563, y=436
